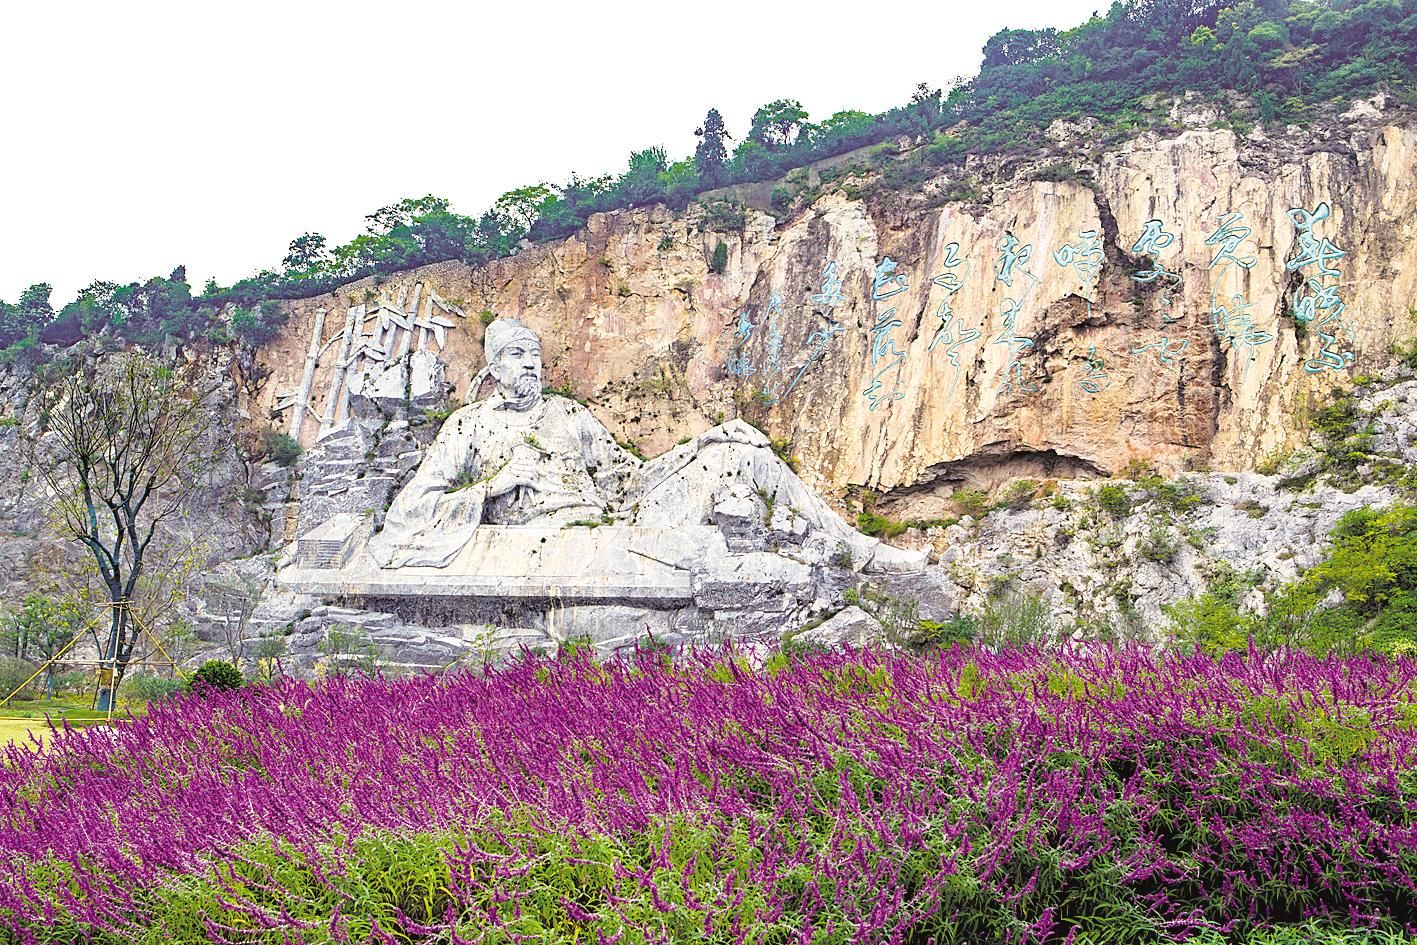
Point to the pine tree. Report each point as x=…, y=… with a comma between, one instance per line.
x=712, y=152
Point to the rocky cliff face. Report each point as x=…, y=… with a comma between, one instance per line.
x=1182, y=300
x=1185, y=301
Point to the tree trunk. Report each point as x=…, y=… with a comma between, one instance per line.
x=108, y=691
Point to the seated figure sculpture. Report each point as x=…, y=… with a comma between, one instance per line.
x=518, y=458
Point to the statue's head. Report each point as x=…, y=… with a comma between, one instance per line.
x=514, y=361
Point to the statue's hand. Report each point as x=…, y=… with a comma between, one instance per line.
x=520, y=472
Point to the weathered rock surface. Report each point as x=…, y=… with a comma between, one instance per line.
x=1091, y=565
x=850, y=625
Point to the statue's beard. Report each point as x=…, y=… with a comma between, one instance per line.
x=523, y=391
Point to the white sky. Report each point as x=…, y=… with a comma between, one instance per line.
x=140, y=136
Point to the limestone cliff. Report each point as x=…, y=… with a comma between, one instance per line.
x=1140, y=306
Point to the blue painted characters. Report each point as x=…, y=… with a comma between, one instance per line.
x=885, y=356
x=1084, y=257
x=886, y=275
x=1013, y=254
x=1167, y=349
x=772, y=369
x=738, y=363
x=951, y=331
x=1097, y=379
x=1230, y=315
x=830, y=295
x=1317, y=300
x=1153, y=240
x=1015, y=376
x=817, y=342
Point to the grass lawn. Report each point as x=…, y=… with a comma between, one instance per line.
x=33, y=714
x=17, y=730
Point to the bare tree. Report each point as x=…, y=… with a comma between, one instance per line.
x=121, y=445
x=234, y=600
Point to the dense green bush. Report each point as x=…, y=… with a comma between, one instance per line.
x=878, y=526
x=1114, y=500
x=1013, y=616
x=13, y=674
x=718, y=262
x=943, y=634
x=145, y=687
x=257, y=325
x=972, y=502
x=282, y=448
x=1018, y=495
x=217, y=676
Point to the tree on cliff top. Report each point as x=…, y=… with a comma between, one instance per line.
x=27, y=317
x=776, y=124
x=711, y=154
x=307, y=253
x=120, y=447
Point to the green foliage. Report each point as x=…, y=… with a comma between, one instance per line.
x=257, y=325
x=776, y=124
x=306, y=253
x=1018, y=495
x=143, y=688
x=1160, y=545
x=899, y=616
x=1176, y=496
x=972, y=502
x=37, y=632
x=943, y=634
x=1371, y=569
x=13, y=675
x=1057, y=172
x=215, y=676
x=782, y=448
x=711, y=153
x=878, y=526
x=1114, y=500
x=266, y=651
x=1373, y=566
x=1271, y=464
x=346, y=650
x=632, y=448
x=1345, y=443
x=1014, y=617
x=574, y=647
x=1213, y=619
x=281, y=448
x=718, y=262
x=28, y=317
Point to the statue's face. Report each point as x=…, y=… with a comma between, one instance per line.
x=517, y=372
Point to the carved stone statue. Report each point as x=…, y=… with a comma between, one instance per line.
x=518, y=458
x=513, y=459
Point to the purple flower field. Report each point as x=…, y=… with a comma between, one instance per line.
x=1035, y=796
